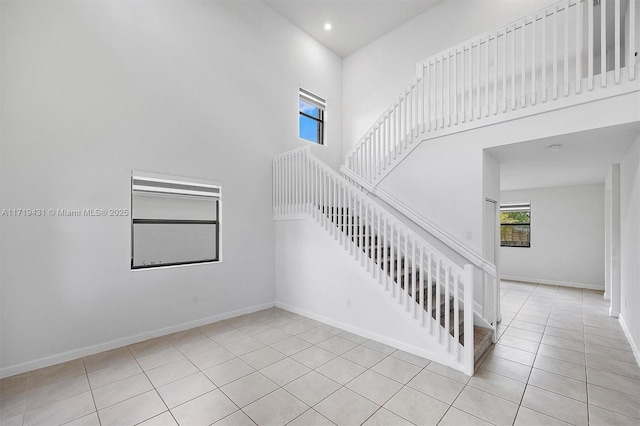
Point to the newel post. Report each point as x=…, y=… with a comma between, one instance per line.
x=469, y=276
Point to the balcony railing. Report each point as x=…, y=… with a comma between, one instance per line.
x=565, y=50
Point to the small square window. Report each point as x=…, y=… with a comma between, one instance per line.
x=311, y=109
x=515, y=224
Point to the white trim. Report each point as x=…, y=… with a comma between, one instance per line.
x=356, y=177
x=634, y=346
x=181, y=265
x=160, y=177
x=312, y=99
x=174, y=182
x=158, y=190
x=113, y=344
x=552, y=282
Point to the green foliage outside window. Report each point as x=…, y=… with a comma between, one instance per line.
x=515, y=217
x=515, y=228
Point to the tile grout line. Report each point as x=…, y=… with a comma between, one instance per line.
x=586, y=370
x=153, y=386
x=156, y=389
x=404, y=385
x=586, y=314
x=531, y=369
x=93, y=399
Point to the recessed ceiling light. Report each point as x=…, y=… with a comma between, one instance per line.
x=554, y=147
x=327, y=26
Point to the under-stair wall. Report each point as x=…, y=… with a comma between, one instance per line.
x=318, y=279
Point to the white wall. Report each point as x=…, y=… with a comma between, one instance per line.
x=567, y=237
x=612, y=239
x=92, y=90
x=630, y=245
x=490, y=193
x=375, y=74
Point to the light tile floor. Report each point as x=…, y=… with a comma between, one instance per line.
x=560, y=360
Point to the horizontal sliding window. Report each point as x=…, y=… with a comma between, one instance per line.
x=515, y=224
x=174, y=222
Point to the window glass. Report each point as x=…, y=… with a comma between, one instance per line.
x=173, y=222
x=515, y=225
x=311, y=111
x=310, y=129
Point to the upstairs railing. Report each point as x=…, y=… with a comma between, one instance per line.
x=548, y=55
x=414, y=273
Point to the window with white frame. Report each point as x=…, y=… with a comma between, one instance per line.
x=175, y=221
x=311, y=110
x=515, y=224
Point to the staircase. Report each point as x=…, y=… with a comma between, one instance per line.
x=434, y=291
x=529, y=66
x=431, y=297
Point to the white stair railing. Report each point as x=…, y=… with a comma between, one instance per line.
x=543, y=57
x=427, y=284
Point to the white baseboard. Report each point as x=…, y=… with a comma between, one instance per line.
x=552, y=282
x=113, y=344
x=634, y=346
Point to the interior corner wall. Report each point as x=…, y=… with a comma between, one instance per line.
x=630, y=245
x=374, y=75
x=612, y=240
x=567, y=237
x=490, y=193
x=609, y=217
x=90, y=90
